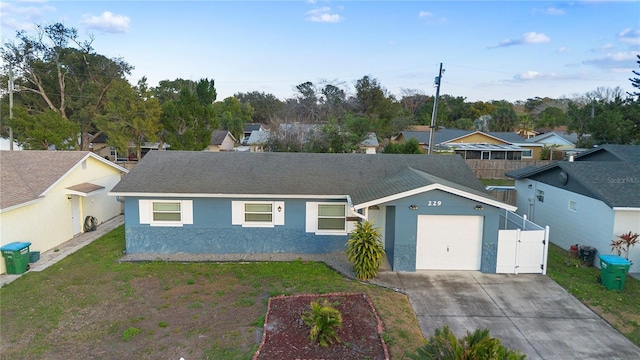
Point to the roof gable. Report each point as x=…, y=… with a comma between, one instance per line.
x=29, y=174
x=218, y=136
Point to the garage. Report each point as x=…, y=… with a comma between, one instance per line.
x=449, y=242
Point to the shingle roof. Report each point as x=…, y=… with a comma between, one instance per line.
x=218, y=136
x=628, y=153
x=26, y=175
x=361, y=175
x=617, y=184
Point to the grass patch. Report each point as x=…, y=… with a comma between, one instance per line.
x=621, y=309
x=215, y=310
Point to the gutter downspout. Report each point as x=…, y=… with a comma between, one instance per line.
x=353, y=209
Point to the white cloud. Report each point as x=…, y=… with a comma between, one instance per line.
x=535, y=75
x=322, y=14
x=431, y=18
x=615, y=61
x=604, y=48
x=527, y=38
x=17, y=17
x=549, y=11
x=107, y=22
x=563, y=50
x=629, y=36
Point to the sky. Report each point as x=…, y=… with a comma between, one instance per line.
x=490, y=50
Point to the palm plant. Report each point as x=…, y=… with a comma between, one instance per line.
x=365, y=250
x=624, y=242
x=444, y=345
x=324, y=320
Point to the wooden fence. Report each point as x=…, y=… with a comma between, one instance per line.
x=495, y=169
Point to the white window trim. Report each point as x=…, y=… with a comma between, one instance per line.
x=145, y=209
x=312, y=219
x=237, y=214
x=575, y=206
x=527, y=157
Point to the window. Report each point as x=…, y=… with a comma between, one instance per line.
x=258, y=212
x=332, y=217
x=573, y=206
x=165, y=212
x=527, y=154
x=540, y=195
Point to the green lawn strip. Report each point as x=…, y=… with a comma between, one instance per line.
x=87, y=298
x=620, y=308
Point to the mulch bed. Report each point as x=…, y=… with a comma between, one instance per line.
x=286, y=334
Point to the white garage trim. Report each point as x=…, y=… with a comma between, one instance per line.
x=449, y=242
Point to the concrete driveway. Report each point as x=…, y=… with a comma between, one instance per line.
x=527, y=312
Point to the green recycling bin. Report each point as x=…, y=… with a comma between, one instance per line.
x=613, y=271
x=16, y=257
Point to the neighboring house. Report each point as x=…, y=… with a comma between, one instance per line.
x=432, y=211
x=474, y=144
x=562, y=141
x=5, y=144
x=251, y=127
x=369, y=145
x=588, y=200
x=100, y=147
x=47, y=195
x=221, y=140
x=257, y=140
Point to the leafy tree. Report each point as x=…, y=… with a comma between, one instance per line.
x=412, y=100
x=265, y=106
x=552, y=117
x=444, y=345
x=504, y=118
x=365, y=250
x=233, y=115
x=480, y=108
x=331, y=139
x=132, y=116
x=64, y=73
x=188, y=116
x=41, y=130
x=635, y=82
x=374, y=102
x=411, y=146
x=307, y=108
x=465, y=123
x=334, y=102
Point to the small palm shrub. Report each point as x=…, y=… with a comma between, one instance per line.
x=444, y=345
x=324, y=321
x=365, y=250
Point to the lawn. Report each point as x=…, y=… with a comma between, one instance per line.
x=91, y=306
x=621, y=309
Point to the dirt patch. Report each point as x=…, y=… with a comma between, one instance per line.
x=286, y=335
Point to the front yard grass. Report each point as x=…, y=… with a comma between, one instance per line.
x=621, y=309
x=90, y=306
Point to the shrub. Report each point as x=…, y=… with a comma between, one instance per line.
x=444, y=345
x=365, y=250
x=324, y=320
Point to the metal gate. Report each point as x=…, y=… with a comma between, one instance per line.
x=522, y=246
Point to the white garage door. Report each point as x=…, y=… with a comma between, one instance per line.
x=449, y=242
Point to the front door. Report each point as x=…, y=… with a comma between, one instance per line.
x=76, y=221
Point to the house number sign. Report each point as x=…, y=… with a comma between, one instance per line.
x=434, y=203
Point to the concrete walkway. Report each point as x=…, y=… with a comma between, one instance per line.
x=58, y=253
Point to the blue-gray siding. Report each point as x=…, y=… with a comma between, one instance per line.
x=403, y=236
x=213, y=233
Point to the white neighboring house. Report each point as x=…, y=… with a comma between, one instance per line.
x=5, y=144
x=555, y=139
x=588, y=200
x=257, y=140
x=47, y=195
x=370, y=144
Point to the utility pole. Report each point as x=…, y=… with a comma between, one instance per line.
x=432, y=128
x=10, y=107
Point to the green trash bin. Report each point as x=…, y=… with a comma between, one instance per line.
x=613, y=271
x=16, y=257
